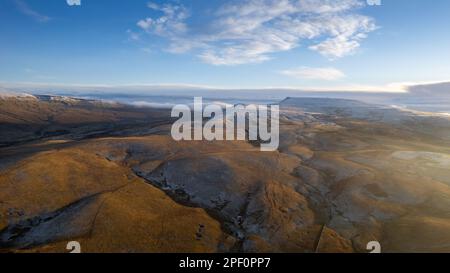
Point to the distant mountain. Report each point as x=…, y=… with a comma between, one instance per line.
x=25, y=117
x=410, y=120
x=437, y=91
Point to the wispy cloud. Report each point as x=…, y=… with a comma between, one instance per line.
x=170, y=24
x=27, y=10
x=250, y=31
x=310, y=73
x=133, y=36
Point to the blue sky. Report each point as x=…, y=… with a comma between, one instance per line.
x=321, y=44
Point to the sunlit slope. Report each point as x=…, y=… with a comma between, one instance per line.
x=74, y=194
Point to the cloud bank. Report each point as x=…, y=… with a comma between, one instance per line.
x=438, y=90
x=251, y=31
x=309, y=73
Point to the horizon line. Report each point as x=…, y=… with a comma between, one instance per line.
x=396, y=87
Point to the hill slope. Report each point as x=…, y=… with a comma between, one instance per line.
x=338, y=181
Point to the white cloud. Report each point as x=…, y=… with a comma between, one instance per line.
x=345, y=32
x=309, y=73
x=250, y=31
x=170, y=24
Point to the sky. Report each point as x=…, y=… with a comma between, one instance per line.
x=308, y=44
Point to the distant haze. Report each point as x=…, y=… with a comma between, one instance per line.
x=425, y=97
